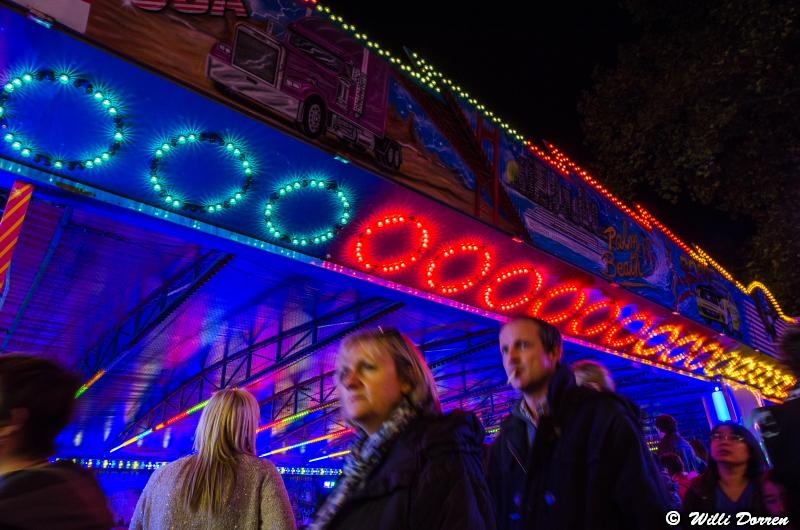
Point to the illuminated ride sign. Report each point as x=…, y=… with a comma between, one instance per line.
x=580, y=308
x=415, y=242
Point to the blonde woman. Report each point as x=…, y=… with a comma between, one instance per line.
x=222, y=485
x=411, y=467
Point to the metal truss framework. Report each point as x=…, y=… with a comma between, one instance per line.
x=265, y=357
x=116, y=345
x=318, y=390
x=490, y=409
x=315, y=391
x=476, y=389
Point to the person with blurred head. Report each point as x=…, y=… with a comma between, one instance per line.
x=223, y=484
x=775, y=500
x=779, y=426
x=701, y=452
x=568, y=456
x=733, y=481
x=37, y=397
x=674, y=467
x=592, y=374
x=411, y=466
x=672, y=442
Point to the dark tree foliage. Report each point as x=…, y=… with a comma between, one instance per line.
x=705, y=105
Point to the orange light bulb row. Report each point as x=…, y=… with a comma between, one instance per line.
x=564, y=161
x=545, y=157
x=565, y=165
x=398, y=264
x=764, y=373
x=640, y=349
x=743, y=368
x=694, y=353
x=624, y=355
x=728, y=276
x=508, y=274
x=423, y=72
x=678, y=353
x=664, y=230
x=758, y=285
x=611, y=338
x=461, y=285
x=555, y=293
x=82, y=390
x=614, y=311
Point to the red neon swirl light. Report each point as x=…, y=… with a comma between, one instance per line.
x=459, y=285
x=508, y=274
x=553, y=294
x=641, y=349
x=397, y=264
x=614, y=310
x=610, y=337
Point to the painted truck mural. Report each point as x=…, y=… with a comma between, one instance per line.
x=314, y=77
x=292, y=65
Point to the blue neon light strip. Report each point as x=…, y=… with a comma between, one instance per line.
x=149, y=465
x=720, y=406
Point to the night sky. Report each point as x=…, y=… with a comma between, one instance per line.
x=530, y=65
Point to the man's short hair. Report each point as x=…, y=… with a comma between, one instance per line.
x=45, y=390
x=666, y=424
x=790, y=348
x=548, y=333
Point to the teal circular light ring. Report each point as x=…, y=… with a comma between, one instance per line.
x=20, y=142
x=173, y=198
x=320, y=237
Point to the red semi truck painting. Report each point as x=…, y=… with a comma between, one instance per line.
x=316, y=76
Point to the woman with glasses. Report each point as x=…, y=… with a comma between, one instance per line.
x=411, y=467
x=734, y=478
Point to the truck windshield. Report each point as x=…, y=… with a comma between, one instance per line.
x=322, y=56
x=708, y=295
x=256, y=57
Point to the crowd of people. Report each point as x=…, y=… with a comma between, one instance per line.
x=571, y=454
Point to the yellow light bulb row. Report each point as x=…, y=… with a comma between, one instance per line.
x=643, y=217
x=423, y=72
x=426, y=74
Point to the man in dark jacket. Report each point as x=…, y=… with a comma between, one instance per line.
x=780, y=428
x=673, y=443
x=568, y=457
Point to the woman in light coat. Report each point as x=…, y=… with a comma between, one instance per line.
x=223, y=484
